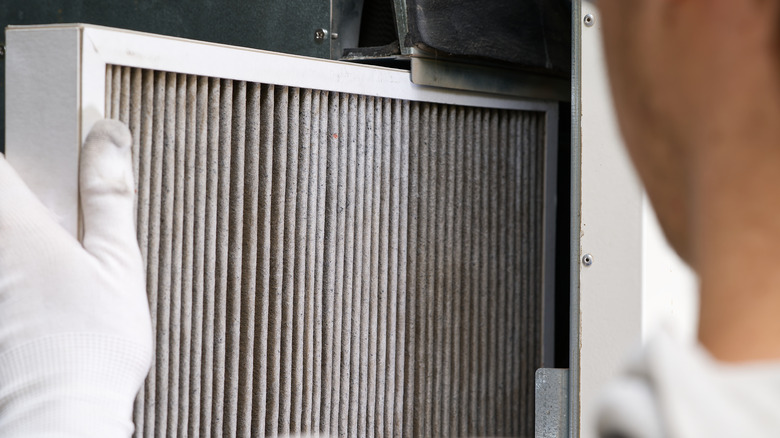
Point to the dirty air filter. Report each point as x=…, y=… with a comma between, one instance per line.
x=320, y=259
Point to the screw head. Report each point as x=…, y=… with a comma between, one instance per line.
x=2, y=51
x=587, y=260
x=320, y=35
x=589, y=20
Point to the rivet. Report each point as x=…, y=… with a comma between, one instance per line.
x=589, y=20
x=587, y=260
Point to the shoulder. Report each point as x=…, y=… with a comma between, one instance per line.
x=674, y=389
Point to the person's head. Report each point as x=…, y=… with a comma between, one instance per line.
x=694, y=82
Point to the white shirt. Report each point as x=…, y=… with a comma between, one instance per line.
x=676, y=390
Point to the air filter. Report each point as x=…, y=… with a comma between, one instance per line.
x=328, y=248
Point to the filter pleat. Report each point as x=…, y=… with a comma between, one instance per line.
x=329, y=261
x=235, y=267
x=210, y=258
x=512, y=287
x=492, y=259
x=482, y=183
x=424, y=404
x=339, y=135
x=311, y=145
x=114, y=82
x=153, y=252
x=276, y=286
x=358, y=133
x=441, y=296
x=134, y=123
x=165, y=254
x=383, y=291
x=436, y=172
x=373, y=325
x=199, y=254
x=450, y=293
x=176, y=190
x=302, y=221
x=524, y=268
x=187, y=274
x=349, y=111
x=319, y=270
x=365, y=299
x=460, y=306
x=289, y=251
x=502, y=255
x=401, y=143
x=411, y=395
x=472, y=229
x=223, y=243
x=249, y=263
x=265, y=120
x=124, y=95
x=393, y=109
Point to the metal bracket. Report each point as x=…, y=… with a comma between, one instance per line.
x=552, y=403
x=429, y=70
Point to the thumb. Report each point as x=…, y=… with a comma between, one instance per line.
x=107, y=193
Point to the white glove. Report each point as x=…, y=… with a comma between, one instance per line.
x=75, y=332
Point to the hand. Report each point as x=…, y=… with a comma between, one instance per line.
x=75, y=332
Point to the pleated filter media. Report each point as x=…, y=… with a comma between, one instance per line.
x=335, y=263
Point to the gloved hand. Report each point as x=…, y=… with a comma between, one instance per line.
x=75, y=332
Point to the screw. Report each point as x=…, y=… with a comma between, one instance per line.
x=587, y=260
x=320, y=34
x=589, y=20
x=2, y=51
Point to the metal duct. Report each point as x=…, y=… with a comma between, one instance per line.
x=336, y=263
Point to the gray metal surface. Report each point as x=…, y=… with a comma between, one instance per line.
x=575, y=329
x=280, y=25
x=552, y=403
x=344, y=26
x=532, y=35
x=332, y=262
x=427, y=70
x=402, y=25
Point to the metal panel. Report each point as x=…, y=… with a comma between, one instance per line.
x=610, y=294
x=530, y=35
x=242, y=23
x=552, y=403
x=445, y=73
x=335, y=262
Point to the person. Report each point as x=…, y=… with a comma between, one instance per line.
x=75, y=331
x=696, y=87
